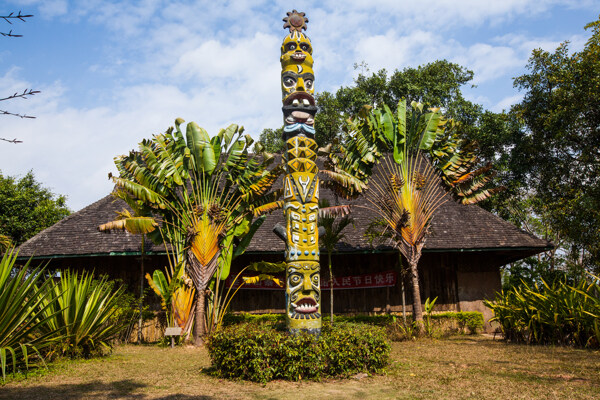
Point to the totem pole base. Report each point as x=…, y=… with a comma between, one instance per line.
x=310, y=331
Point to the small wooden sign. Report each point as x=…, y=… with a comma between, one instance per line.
x=176, y=331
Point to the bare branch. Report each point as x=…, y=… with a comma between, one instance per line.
x=15, y=141
x=19, y=16
x=7, y=18
x=26, y=92
x=2, y=112
x=10, y=34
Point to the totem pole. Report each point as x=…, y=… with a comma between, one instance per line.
x=301, y=184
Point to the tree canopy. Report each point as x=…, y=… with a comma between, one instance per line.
x=555, y=152
x=26, y=207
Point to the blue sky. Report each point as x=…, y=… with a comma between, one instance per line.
x=113, y=73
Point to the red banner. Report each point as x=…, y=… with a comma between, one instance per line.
x=374, y=280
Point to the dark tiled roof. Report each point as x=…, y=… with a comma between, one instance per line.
x=454, y=227
x=78, y=234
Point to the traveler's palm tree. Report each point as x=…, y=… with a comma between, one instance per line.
x=408, y=191
x=205, y=192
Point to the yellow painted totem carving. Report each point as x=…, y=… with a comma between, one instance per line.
x=301, y=185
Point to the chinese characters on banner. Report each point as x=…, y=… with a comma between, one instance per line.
x=374, y=280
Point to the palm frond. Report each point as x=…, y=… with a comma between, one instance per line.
x=334, y=211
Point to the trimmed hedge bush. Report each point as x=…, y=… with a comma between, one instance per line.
x=444, y=323
x=262, y=353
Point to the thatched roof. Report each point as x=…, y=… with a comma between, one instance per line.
x=455, y=227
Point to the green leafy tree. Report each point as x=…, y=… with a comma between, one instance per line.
x=553, y=152
x=272, y=140
x=26, y=207
x=437, y=84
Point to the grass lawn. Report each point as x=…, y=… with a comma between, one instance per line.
x=467, y=367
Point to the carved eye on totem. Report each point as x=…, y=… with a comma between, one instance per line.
x=295, y=279
x=289, y=82
x=305, y=47
x=308, y=83
x=315, y=280
x=291, y=46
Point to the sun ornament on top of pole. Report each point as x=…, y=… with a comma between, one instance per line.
x=301, y=184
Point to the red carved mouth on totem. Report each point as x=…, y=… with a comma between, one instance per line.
x=306, y=305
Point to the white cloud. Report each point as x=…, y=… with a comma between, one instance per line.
x=489, y=62
x=241, y=59
x=47, y=8
x=507, y=102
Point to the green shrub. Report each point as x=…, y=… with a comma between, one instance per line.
x=556, y=313
x=466, y=322
x=22, y=310
x=262, y=353
x=80, y=310
x=442, y=324
x=232, y=319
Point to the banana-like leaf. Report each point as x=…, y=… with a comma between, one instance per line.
x=261, y=277
x=343, y=183
x=159, y=283
x=247, y=238
x=267, y=267
x=135, y=225
x=429, y=133
x=197, y=138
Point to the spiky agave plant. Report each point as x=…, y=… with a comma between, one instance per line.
x=23, y=311
x=550, y=313
x=80, y=312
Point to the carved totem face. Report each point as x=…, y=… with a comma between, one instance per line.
x=295, y=50
x=297, y=78
x=303, y=293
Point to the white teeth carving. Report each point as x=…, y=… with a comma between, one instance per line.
x=305, y=308
x=306, y=102
x=295, y=102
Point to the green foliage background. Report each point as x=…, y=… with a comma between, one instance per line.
x=26, y=207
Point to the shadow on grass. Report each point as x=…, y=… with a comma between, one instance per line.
x=91, y=390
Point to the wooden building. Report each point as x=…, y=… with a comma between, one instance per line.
x=460, y=264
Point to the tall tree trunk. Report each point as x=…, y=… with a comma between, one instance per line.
x=417, y=311
x=403, y=300
x=330, y=288
x=200, y=327
x=141, y=305
x=401, y=278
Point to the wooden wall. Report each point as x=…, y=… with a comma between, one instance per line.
x=460, y=281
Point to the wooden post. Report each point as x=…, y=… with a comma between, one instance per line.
x=172, y=332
